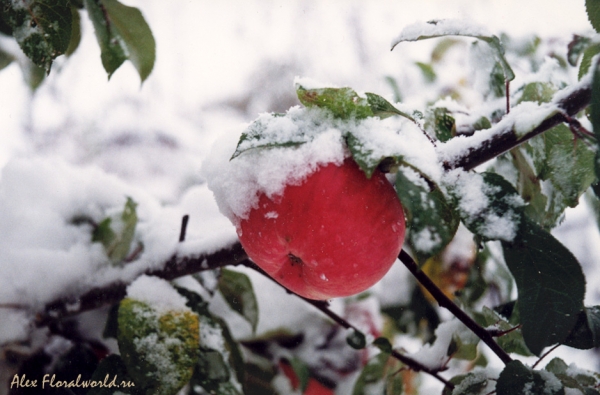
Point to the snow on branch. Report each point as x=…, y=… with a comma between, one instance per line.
x=524, y=122
x=175, y=267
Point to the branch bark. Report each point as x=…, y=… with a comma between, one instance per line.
x=504, y=139
x=445, y=302
x=174, y=268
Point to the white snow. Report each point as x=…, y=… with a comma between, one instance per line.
x=441, y=27
x=157, y=293
x=81, y=144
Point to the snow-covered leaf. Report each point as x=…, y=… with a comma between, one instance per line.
x=511, y=340
x=487, y=204
x=41, y=27
x=123, y=34
x=117, y=245
x=550, y=283
x=450, y=27
x=160, y=348
x=573, y=377
x=220, y=366
x=237, y=291
x=555, y=169
x=440, y=123
x=518, y=379
x=431, y=218
x=473, y=383
x=343, y=103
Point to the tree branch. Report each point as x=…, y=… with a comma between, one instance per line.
x=174, y=268
x=505, y=138
x=323, y=306
x=445, y=302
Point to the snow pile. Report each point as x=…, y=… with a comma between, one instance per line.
x=157, y=293
x=46, y=249
x=237, y=183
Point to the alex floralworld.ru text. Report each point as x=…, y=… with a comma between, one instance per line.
x=51, y=381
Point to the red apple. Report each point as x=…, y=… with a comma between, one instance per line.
x=334, y=235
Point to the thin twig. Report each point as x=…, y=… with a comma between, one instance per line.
x=323, y=306
x=184, y=224
x=507, y=86
x=545, y=355
x=445, y=302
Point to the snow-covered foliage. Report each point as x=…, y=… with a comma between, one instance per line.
x=89, y=166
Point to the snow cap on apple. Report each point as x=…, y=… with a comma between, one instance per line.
x=318, y=220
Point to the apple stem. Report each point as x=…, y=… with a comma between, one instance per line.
x=323, y=306
x=445, y=302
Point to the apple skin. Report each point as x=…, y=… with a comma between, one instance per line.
x=336, y=234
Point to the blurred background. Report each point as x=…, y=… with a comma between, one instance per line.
x=219, y=64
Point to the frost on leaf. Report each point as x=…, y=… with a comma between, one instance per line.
x=431, y=218
x=41, y=27
x=488, y=205
x=158, y=338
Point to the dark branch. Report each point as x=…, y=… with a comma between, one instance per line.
x=323, y=306
x=445, y=302
x=174, y=268
x=505, y=140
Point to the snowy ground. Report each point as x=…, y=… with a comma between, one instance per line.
x=82, y=143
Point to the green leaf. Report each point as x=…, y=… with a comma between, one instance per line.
x=592, y=8
x=492, y=41
x=117, y=245
x=373, y=373
x=441, y=122
x=114, y=368
x=364, y=157
x=427, y=70
x=512, y=340
x=517, y=378
x=586, y=333
x=159, y=348
x=302, y=372
x=488, y=205
x=238, y=292
x=220, y=367
x=261, y=133
x=383, y=344
x=468, y=384
x=431, y=219
x=343, y=103
x=75, y=32
x=595, y=114
x=5, y=58
x=123, y=34
x=550, y=283
x=579, y=379
x=356, y=340
x=539, y=92
x=586, y=60
x=42, y=28
x=111, y=328
x=382, y=108
x=576, y=48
